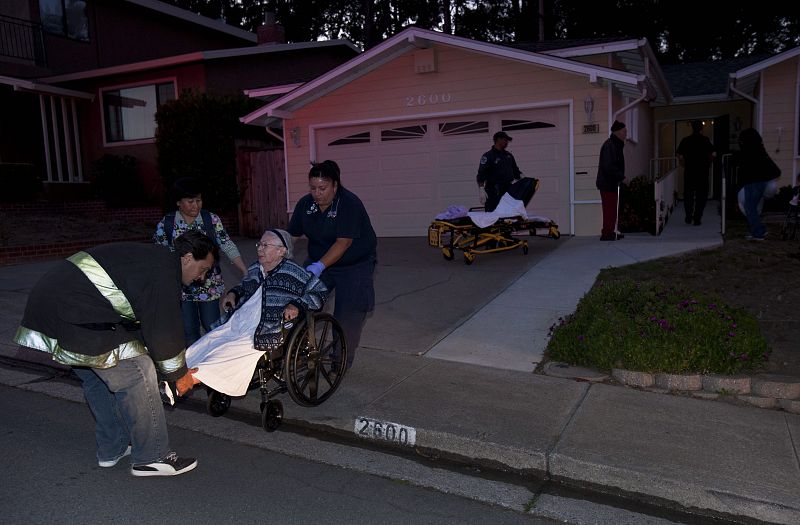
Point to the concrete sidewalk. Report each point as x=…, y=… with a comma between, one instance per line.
x=448, y=353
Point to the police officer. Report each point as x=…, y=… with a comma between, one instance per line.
x=497, y=171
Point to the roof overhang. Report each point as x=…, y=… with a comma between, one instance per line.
x=415, y=38
x=43, y=89
x=746, y=79
x=198, y=56
x=193, y=18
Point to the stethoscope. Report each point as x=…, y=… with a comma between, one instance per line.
x=314, y=208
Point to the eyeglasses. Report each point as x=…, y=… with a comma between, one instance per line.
x=264, y=245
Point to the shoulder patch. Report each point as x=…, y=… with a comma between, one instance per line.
x=484, y=160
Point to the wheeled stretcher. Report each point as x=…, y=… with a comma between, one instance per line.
x=483, y=233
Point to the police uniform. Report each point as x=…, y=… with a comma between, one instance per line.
x=352, y=274
x=497, y=171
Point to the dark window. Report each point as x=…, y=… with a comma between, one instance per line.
x=65, y=17
x=516, y=125
x=130, y=113
x=463, y=128
x=358, y=138
x=409, y=132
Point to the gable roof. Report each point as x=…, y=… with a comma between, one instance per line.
x=197, y=56
x=703, y=81
x=194, y=18
x=743, y=81
x=412, y=38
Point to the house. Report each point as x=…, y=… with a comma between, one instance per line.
x=408, y=120
x=95, y=73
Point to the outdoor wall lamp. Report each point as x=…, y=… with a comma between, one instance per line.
x=588, y=108
x=295, y=135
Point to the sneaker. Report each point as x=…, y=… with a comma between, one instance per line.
x=608, y=237
x=751, y=238
x=113, y=462
x=168, y=392
x=619, y=236
x=171, y=465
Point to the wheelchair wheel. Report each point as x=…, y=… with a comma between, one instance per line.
x=313, y=372
x=271, y=415
x=217, y=403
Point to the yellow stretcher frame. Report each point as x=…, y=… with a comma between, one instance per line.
x=462, y=234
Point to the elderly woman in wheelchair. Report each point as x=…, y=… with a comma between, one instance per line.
x=272, y=329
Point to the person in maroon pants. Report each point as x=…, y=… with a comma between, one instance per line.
x=610, y=174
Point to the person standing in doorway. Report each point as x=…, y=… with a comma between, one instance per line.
x=497, y=170
x=610, y=174
x=696, y=152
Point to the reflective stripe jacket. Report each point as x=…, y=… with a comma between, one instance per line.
x=112, y=302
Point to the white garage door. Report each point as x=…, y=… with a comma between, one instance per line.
x=407, y=172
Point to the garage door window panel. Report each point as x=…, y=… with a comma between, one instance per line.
x=517, y=125
x=404, y=133
x=358, y=138
x=449, y=129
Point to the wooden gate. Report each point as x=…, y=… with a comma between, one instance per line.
x=262, y=185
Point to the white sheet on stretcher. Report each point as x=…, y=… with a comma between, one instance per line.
x=225, y=356
x=508, y=207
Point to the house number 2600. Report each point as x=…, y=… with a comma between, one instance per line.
x=431, y=98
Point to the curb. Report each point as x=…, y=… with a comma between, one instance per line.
x=762, y=391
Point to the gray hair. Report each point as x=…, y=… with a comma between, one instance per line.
x=283, y=237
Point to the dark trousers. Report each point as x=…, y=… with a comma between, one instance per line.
x=609, y=202
x=355, y=297
x=493, y=194
x=695, y=195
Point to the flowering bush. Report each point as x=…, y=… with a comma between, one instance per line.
x=650, y=327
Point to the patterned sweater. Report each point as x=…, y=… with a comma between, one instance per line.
x=287, y=283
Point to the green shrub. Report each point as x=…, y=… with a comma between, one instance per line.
x=652, y=328
x=20, y=182
x=637, y=212
x=196, y=138
x=115, y=179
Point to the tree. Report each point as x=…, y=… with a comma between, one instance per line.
x=678, y=30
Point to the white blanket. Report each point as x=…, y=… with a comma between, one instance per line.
x=225, y=356
x=508, y=207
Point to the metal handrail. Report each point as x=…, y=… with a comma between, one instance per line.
x=22, y=39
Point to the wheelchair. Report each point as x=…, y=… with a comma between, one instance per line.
x=309, y=366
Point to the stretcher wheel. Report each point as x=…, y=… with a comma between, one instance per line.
x=525, y=249
x=271, y=415
x=447, y=253
x=217, y=403
x=554, y=233
x=313, y=372
x=469, y=258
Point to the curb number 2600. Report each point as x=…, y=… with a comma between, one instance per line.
x=385, y=431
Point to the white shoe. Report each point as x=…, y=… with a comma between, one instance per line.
x=113, y=462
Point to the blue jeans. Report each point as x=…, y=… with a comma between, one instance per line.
x=753, y=193
x=127, y=409
x=196, y=313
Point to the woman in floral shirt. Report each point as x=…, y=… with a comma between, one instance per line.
x=200, y=300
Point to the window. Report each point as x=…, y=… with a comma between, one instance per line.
x=463, y=128
x=358, y=138
x=516, y=125
x=409, y=132
x=65, y=17
x=130, y=113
